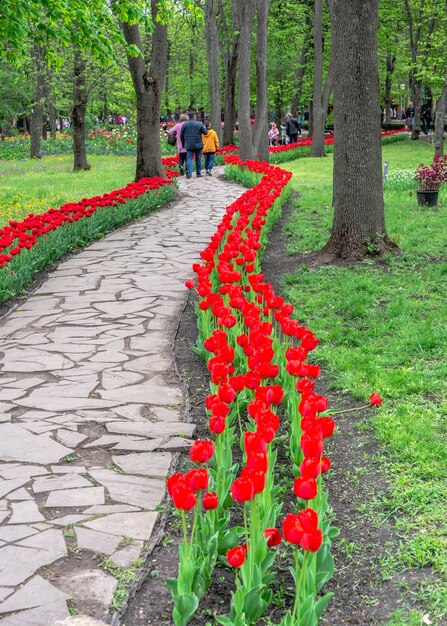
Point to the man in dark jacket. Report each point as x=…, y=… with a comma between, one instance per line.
x=191, y=138
x=292, y=128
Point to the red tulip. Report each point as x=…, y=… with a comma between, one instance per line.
x=210, y=501
x=273, y=537
x=242, y=489
x=305, y=488
x=197, y=479
x=201, y=451
x=375, y=399
x=184, y=498
x=236, y=556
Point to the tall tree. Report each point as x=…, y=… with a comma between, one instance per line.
x=390, y=64
x=359, y=221
x=441, y=108
x=37, y=116
x=421, y=24
x=230, y=54
x=78, y=113
x=253, y=140
x=148, y=82
x=212, y=38
x=320, y=97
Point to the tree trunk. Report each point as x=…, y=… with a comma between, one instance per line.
x=439, y=121
x=302, y=64
x=53, y=118
x=247, y=10
x=78, y=113
x=37, y=112
x=359, y=221
x=318, y=116
x=213, y=66
x=416, y=96
x=231, y=58
x=390, y=63
x=148, y=85
x=261, y=126
x=310, y=121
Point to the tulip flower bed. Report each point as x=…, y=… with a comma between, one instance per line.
x=260, y=380
x=28, y=246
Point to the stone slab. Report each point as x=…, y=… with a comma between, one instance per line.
x=86, y=496
x=18, y=444
x=147, y=493
x=146, y=463
x=135, y=525
x=36, y=592
x=96, y=541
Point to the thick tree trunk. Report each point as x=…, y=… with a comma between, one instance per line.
x=213, y=66
x=318, y=115
x=37, y=112
x=247, y=10
x=78, y=113
x=390, y=63
x=148, y=85
x=359, y=222
x=439, y=120
x=261, y=126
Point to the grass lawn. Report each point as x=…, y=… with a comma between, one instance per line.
x=35, y=186
x=383, y=327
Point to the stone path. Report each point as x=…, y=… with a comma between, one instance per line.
x=91, y=410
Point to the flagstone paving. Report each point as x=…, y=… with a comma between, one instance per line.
x=91, y=410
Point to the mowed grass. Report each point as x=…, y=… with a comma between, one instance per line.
x=383, y=327
x=35, y=186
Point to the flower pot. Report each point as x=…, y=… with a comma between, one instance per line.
x=428, y=197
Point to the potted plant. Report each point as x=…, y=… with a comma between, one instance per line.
x=429, y=179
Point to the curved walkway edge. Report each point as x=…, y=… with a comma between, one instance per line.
x=91, y=410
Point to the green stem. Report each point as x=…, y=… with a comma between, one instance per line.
x=185, y=531
x=358, y=408
x=300, y=582
x=196, y=515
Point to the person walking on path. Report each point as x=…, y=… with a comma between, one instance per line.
x=210, y=147
x=292, y=128
x=409, y=115
x=191, y=138
x=176, y=130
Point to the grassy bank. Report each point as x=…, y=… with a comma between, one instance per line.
x=34, y=186
x=383, y=327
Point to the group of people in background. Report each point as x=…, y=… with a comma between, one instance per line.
x=194, y=140
x=288, y=133
x=426, y=117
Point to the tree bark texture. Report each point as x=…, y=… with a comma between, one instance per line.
x=261, y=126
x=247, y=10
x=318, y=116
x=37, y=112
x=439, y=120
x=213, y=66
x=359, y=222
x=390, y=63
x=148, y=85
x=78, y=113
x=231, y=53
x=302, y=64
x=53, y=118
